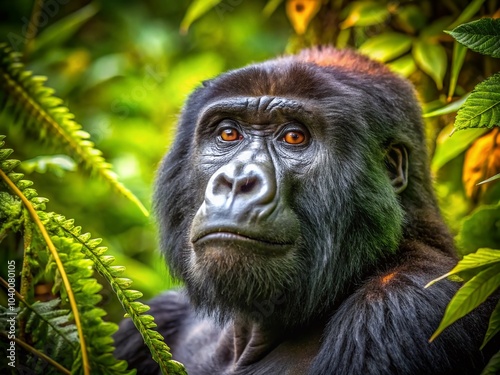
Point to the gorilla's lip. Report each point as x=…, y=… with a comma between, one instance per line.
x=235, y=235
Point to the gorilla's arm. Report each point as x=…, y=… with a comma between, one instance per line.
x=385, y=326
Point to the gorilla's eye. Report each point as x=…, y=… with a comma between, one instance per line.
x=230, y=135
x=294, y=137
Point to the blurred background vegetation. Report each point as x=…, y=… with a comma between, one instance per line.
x=125, y=69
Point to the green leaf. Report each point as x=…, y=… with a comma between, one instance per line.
x=468, y=13
x=386, y=46
x=364, y=13
x=481, y=258
x=470, y=296
x=482, y=107
x=410, y=18
x=493, y=366
x=457, y=61
x=482, y=36
x=493, y=326
x=448, y=148
x=404, y=66
x=481, y=229
x=447, y=109
x=197, y=9
x=431, y=58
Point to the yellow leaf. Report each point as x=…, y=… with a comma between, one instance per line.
x=482, y=161
x=301, y=12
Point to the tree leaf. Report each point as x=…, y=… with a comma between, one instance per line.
x=493, y=326
x=493, y=365
x=386, y=46
x=482, y=161
x=448, y=148
x=482, y=36
x=470, y=296
x=481, y=229
x=404, y=66
x=468, y=13
x=495, y=177
x=447, y=109
x=482, y=107
x=197, y=9
x=410, y=18
x=431, y=58
x=364, y=13
x=301, y=12
x=457, y=61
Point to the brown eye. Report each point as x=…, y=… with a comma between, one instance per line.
x=294, y=138
x=230, y=135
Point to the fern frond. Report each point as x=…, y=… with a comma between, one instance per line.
x=36, y=108
x=127, y=297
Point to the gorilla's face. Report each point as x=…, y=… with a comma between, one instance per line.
x=280, y=196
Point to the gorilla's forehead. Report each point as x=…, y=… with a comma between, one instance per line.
x=260, y=109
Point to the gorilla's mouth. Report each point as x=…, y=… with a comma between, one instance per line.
x=230, y=237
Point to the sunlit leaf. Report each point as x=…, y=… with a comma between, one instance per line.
x=482, y=36
x=467, y=13
x=431, y=58
x=479, y=259
x=493, y=326
x=271, y=7
x=482, y=161
x=365, y=13
x=482, y=107
x=481, y=229
x=456, y=65
x=197, y=9
x=301, y=12
x=404, y=66
x=386, y=46
x=470, y=295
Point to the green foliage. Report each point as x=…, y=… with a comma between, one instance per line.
x=482, y=36
x=482, y=107
x=35, y=106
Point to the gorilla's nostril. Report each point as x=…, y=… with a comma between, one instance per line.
x=248, y=185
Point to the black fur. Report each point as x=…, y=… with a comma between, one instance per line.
x=344, y=229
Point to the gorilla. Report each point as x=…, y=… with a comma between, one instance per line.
x=296, y=205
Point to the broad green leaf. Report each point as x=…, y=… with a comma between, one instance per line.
x=456, y=65
x=386, y=46
x=364, y=13
x=468, y=13
x=435, y=29
x=493, y=326
x=481, y=258
x=431, y=58
x=197, y=9
x=271, y=7
x=404, y=66
x=495, y=177
x=482, y=107
x=481, y=229
x=447, y=109
x=470, y=296
x=482, y=36
x=448, y=148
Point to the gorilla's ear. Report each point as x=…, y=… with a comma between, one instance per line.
x=396, y=161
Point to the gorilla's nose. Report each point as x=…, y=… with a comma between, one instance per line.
x=238, y=188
